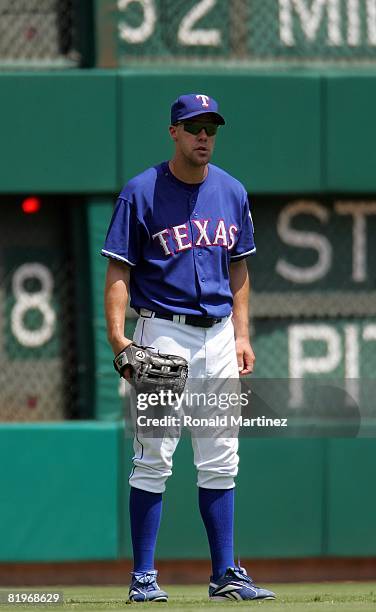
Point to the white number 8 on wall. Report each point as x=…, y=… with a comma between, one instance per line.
x=37, y=300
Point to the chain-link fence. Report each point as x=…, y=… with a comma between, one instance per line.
x=50, y=32
x=236, y=31
x=37, y=32
x=314, y=257
x=313, y=304
x=37, y=343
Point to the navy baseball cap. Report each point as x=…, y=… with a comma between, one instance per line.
x=191, y=105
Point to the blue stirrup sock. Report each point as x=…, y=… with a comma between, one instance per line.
x=145, y=511
x=217, y=511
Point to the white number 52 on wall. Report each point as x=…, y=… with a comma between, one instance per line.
x=187, y=34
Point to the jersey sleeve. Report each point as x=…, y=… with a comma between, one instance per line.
x=245, y=244
x=122, y=240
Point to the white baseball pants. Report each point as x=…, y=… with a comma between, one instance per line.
x=210, y=354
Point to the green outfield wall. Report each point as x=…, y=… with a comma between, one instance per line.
x=89, y=131
x=60, y=491
x=58, y=132
x=64, y=497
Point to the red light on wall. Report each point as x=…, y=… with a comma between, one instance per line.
x=31, y=205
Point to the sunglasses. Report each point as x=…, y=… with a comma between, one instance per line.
x=195, y=128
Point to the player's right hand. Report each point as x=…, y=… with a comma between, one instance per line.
x=245, y=355
x=117, y=346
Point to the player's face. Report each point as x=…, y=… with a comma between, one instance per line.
x=195, y=149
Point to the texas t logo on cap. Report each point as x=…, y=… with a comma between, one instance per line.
x=205, y=99
x=191, y=105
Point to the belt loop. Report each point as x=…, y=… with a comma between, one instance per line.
x=179, y=318
x=147, y=314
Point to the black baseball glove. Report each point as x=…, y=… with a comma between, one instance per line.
x=152, y=370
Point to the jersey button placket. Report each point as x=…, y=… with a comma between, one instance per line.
x=193, y=201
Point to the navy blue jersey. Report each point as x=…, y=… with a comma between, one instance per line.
x=179, y=240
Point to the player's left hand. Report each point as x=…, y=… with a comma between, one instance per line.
x=245, y=355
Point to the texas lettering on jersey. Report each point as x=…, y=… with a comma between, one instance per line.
x=204, y=233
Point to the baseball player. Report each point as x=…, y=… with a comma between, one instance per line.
x=177, y=244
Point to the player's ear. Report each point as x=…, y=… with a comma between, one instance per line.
x=173, y=129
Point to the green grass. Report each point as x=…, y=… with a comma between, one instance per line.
x=345, y=596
